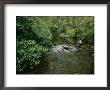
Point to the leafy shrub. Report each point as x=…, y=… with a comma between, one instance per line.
x=29, y=54
x=36, y=34
x=84, y=29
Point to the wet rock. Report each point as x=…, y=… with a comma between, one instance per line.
x=63, y=48
x=66, y=47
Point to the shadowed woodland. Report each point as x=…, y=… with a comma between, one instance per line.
x=55, y=45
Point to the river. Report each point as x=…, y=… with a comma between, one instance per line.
x=66, y=58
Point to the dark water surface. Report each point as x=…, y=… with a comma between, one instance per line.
x=75, y=60
x=65, y=57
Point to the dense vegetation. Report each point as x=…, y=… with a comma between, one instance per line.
x=35, y=35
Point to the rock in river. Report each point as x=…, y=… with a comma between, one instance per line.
x=64, y=48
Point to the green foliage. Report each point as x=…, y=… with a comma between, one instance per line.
x=29, y=54
x=41, y=27
x=24, y=27
x=35, y=35
x=31, y=46
x=84, y=29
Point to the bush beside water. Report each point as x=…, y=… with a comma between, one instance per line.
x=35, y=36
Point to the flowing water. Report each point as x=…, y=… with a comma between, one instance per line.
x=66, y=58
